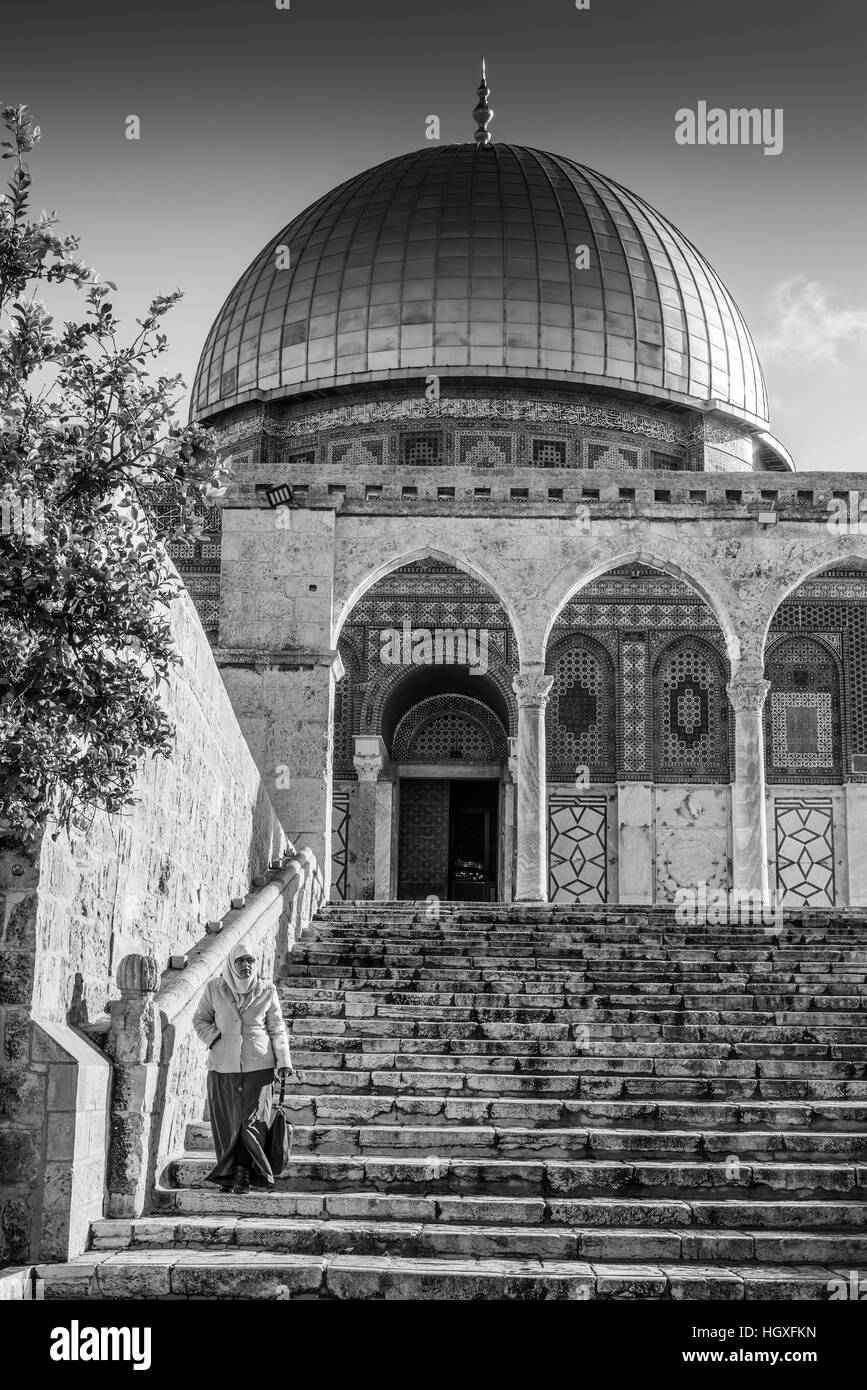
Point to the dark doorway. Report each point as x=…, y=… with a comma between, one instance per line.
x=473, y=840
x=447, y=839
x=423, y=838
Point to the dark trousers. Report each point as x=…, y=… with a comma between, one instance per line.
x=239, y=1104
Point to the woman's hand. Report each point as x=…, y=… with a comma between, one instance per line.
x=284, y=1073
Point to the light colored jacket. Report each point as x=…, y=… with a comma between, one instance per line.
x=250, y=1039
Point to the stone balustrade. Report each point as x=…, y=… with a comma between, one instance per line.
x=159, y=1064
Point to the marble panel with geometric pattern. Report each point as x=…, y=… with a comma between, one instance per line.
x=577, y=849
x=804, y=840
x=339, y=845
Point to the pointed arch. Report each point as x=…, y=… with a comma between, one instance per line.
x=718, y=596
x=344, y=606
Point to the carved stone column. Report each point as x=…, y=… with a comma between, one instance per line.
x=510, y=792
x=134, y=1044
x=747, y=691
x=374, y=836
x=532, y=688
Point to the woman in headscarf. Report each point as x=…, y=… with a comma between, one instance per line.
x=240, y=1020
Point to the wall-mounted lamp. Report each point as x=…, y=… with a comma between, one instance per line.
x=279, y=496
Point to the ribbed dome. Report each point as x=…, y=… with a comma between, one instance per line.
x=457, y=257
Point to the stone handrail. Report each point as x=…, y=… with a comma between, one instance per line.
x=160, y=1066
x=208, y=956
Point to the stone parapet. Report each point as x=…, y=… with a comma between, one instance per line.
x=160, y=1066
x=606, y=492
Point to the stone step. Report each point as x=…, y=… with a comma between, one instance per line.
x=571, y=1142
x=570, y=1040
x=576, y=1055
x=580, y=945
x=663, y=998
x=600, y=1026
x=256, y=1274
x=314, y=1107
x=425, y=936
x=592, y=978
x=541, y=1101
x=815, y=1213
x=446, y=1173
x=674, y=1014
x=326, y=1072
x=418, y=1239
x=582, y=953
x=498, y=983
x=533, y=958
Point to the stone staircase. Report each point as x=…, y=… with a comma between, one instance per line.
x=536, y=1102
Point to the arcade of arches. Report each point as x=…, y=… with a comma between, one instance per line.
x=543, y=611
x=633, y=796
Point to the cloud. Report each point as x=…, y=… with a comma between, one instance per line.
x=806, y=324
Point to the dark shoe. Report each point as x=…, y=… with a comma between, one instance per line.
x=241, y=1185
x=261, y=1184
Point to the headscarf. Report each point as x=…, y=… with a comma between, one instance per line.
x=240, y=988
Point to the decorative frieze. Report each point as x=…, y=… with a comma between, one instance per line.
x=580, y=413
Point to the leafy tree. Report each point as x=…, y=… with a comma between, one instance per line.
x=89, y=448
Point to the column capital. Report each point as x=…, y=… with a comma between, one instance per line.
x=747, y=690
x=370, y=757
x=532, y=689
x=368, y=769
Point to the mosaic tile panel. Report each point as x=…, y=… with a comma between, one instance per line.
x=633, y=661
x=449, y=729
x=691, y=713
x=803, y=714
x=831, y=607
x=579, y=721
x=802, y=731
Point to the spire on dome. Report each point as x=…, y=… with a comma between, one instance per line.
x=483, y=113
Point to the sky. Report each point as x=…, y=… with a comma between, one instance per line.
x=248, y=112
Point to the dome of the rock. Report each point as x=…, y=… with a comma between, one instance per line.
x=465, y=259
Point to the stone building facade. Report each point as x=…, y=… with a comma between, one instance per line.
x=513, y=591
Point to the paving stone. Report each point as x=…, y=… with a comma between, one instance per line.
x=708, y=1283
x=630, y=1281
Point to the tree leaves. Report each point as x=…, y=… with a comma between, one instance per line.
x=90, y=438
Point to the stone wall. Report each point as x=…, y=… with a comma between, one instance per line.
x=149, y=879
x=146, y=882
